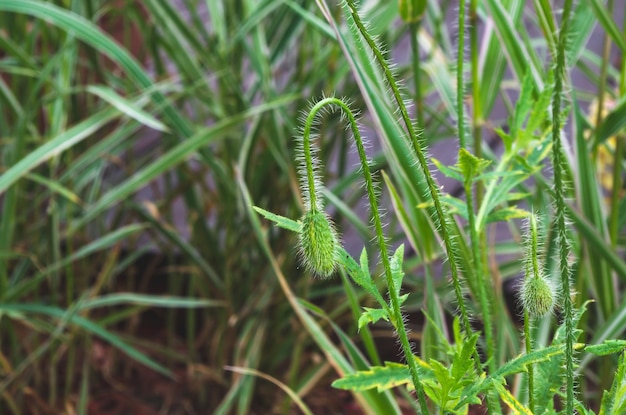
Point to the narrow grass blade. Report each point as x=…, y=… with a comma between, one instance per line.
x=127, y=107
x=55, y=146
x=299, y=402
x=89, y=326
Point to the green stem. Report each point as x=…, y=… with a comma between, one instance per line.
x=531, y=370
x=430, y=182
x=617, y=160
x=460, y=84
x=477, y=109
x=419, y=99
x=478, y=267
x=397, y=319
x=617, y=189
x=606, y=50
x=532, y=271
x=559, y=190
x=474, y=239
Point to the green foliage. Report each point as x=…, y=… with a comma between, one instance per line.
x=134, y=127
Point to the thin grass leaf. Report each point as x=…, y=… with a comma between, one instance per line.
x=146, y=300
x=55, y=146
x=607, y=23
x=90, y=327
x=293, y=395
x=127, y=107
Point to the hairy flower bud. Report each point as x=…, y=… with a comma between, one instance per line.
x=318, y=243
x=537, y=296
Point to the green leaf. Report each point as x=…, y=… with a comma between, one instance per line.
x=372, y=315
x=397, y=272
x=612, y=123
x=127, y=107
x=447, y=171
x=379, y=377
x=506, y=214
x=89, y=326
x=363, y=260
x=510, y=400
x=280, y=221
x=614, y=401
x=470, y=165
x=607, y=347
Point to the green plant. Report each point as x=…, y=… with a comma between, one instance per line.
x=464, y=378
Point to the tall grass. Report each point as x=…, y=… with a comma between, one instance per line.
x=139, y=135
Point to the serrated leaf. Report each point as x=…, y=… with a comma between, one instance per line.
x=470, y=165
x=280, y=221
x=614, y=401
x=372, y=315
x=379, y=377
x=607, y=347
x=360, y=276
x=506, y=139
x=506, y=214
x=447, y=171
x=510, y=400
x=463, y=361
x=402, y=298
x=520, y=364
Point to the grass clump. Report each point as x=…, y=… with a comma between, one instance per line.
x=136, y=136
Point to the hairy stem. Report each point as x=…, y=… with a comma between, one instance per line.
x=394, y=299
x=419, y=99
x=559, y=196
x=430, y=182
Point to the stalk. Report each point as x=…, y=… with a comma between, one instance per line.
x=460, y=84
x=397, y=319
x=531, y=369
x=477, y=109
x=617, y=160
x=469, y=196
x=559, y=198
x=430, y=182
x=419, y=99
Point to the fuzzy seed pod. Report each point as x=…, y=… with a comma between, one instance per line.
x=538, y=296
x=318, y=243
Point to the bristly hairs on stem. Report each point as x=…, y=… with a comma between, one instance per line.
x=559, y=199
x=397, y=318
x=441, y=214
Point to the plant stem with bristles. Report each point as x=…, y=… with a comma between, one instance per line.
x=394, y=299
x=559, y=197
x=432, y=187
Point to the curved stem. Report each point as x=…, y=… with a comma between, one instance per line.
x=397, y=319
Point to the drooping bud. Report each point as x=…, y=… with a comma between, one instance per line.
x=318, y=243
x=538, y=296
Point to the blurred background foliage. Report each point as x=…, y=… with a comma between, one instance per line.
x=135, y=136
